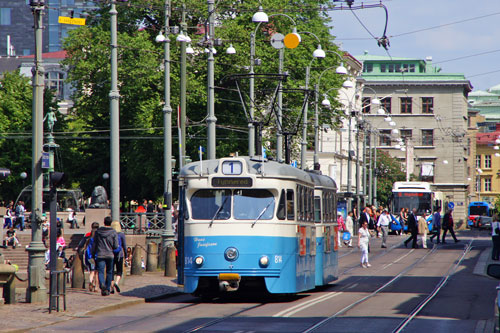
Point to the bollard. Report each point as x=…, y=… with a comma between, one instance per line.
x=152, y=257
x=60, y=267
x=9, y=290
x=170, y=266
x=135, y=267
x=78, y=277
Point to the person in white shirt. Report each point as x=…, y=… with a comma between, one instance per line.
x=363, y=243
x=383, y=225
x=495, y=237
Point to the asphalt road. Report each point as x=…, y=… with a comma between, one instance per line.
x=440, y=289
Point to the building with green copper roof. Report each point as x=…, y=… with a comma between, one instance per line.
x=422, y=120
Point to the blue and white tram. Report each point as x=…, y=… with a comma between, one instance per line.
x=254, y=223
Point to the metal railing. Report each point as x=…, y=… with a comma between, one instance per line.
x=138, y=223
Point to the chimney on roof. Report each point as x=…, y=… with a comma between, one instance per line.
x=428, y=65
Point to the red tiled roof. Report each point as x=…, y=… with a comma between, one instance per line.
x=50, y=55
x=487, y=138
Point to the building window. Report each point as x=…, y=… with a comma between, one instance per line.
x=55, y=82
x=405, y=133
x=383, y=68
x=427, y=171
x=385, y=138
x=366, y=104
x=405, y=104
x=427, y=137
x=487, y=161
x=367, y=68
x=487, y=184
x=385, y=103
x=427, y=104
x=5, y=16
x=478, y=161
x=394, y=68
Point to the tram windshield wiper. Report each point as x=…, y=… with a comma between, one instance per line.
x=262, y=212
x=218, y=211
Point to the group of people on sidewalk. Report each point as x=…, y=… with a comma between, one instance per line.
x=104, y=249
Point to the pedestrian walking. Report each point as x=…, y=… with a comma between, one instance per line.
x=448, y=225
x=105, y=241
x=349, y=225
x=84, y=249
x=495, y=237
x=20, y=210
x=423, y=229
x=7, y=218
x=383, y=225
x=364, y=243
x=413, y=228
x=436, y=224
x=341, y=227
x=120, y=254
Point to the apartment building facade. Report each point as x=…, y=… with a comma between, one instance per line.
x=428, y=110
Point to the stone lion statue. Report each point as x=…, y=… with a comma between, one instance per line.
x=99, y=198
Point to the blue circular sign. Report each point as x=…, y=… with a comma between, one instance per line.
x=451, y=205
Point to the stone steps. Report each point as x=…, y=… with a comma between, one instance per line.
x=19, y=255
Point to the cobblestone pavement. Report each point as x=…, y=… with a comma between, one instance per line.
x=135, y=289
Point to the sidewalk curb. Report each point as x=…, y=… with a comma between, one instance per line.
x=131, y=302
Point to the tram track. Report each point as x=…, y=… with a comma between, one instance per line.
x=407, y=320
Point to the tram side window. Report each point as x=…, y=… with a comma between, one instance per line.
x=211, y=204
x=281, y=206
x=290, y=206
x=253, y=205
x=326, y=208
x=310, y=198
x=317, y=209
x=300, y=200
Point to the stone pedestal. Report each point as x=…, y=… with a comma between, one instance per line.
x=7, y=283
x=95, y=215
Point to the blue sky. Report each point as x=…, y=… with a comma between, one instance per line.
x=478, y=32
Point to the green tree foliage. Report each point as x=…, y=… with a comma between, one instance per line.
x=16, y=129
x=389, y=170
x=141, y=82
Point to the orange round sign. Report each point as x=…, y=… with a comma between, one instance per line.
x=292, y=40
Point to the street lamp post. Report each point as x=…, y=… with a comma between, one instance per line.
x=211, y=119
x=261, y=17
x=37, y=290
x=114, y=101
x=167, y=234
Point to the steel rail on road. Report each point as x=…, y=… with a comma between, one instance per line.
x=218, y=320
x=124, y=325
x=438, y=288
x=410, y=317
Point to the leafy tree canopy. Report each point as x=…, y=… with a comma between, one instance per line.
x=141, y=81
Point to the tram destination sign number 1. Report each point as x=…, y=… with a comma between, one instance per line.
x=232, y=182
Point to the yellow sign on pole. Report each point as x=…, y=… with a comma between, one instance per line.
x=69, y=20
x=292, y=40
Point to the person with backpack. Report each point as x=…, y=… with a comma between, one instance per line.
x=105, y=242
x=120, y=254
x=84, y=249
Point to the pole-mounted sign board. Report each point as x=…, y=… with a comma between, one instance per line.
x=70, y=20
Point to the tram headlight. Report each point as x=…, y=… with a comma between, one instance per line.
x=264, y=261
x=231, y=254
x=199, y=260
